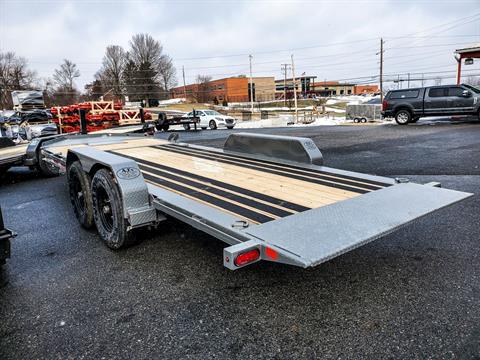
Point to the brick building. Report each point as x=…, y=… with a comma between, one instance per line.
x=233, y=89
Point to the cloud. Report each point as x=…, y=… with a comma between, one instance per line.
x=48, y=31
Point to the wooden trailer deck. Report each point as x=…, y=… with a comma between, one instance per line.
x=254, y=190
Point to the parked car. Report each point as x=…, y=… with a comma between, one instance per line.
x=408, y=105
x=213, y=119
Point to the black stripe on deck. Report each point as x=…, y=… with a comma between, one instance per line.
x=295, y=169
x=269, y=170
x=215, y=191
x=233, y=208
x=227, y=186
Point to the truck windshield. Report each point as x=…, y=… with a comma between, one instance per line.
x=473, y=88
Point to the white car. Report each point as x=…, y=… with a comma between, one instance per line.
x=212, y=119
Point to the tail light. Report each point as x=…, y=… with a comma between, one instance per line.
x=384, y=105
x=247, y=257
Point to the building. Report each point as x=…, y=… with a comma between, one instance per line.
x=333, y=88
x=304, y=86
x=366, y=89
x=466, y=55
x=233, y=89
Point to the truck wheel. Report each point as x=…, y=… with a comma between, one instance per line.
x=356, y=120
x=80, y=194
x=363, y=120
x=108, y=211
x=403, y=117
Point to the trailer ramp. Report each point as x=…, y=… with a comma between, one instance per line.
x=318, y=235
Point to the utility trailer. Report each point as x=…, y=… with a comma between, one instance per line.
x=268, y=197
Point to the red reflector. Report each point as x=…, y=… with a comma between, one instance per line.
x=247, y=257
x=272, y=254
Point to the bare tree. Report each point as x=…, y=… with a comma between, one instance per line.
x=113, y=66
x=66, y=74
x=473, y=80
x=201, y=93
x=155, y=72
x=167, y=73
x=14, y=75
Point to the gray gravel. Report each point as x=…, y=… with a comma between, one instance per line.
x=412, y=294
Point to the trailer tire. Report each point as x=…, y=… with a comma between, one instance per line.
x=356, y=120
x=80, y=194
x=186, y=127
x=165, y=127
x=414, y=120
x=108, y=211
x=403, y=117
x=363, y=120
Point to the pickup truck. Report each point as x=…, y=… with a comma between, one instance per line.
x=408, y=105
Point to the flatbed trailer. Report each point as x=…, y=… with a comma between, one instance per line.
x=268, y=197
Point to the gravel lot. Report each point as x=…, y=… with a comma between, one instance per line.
x=412, y=294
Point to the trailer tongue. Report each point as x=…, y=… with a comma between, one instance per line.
x=268, y=197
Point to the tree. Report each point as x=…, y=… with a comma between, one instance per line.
x=14, y=75
x=113, y=66
x=155, y=72
x=201, y=93
x=65, y=91
x=473, y=80
x=66, y=74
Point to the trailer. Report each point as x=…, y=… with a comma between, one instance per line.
x=363, y=113
x=267, y=197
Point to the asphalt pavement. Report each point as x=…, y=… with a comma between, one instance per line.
x=412, y=294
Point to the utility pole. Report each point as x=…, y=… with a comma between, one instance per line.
x=184, y=86
x=381, y=70
x=284, y=69
x=294, y=90
x=251, y=85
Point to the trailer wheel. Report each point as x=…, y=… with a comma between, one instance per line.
x=356, y=120
x=80, y=194
x=414, y=120
x=186, y=126
x=165, y=127
x=403, y=117
x=108, y=211
x=363, y=120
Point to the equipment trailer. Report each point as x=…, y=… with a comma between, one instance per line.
x=268, y=197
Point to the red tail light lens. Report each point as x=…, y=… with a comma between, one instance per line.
x=247, y=257
x=384, y=105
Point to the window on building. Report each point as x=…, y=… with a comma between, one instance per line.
x=349, y=92
x=342, y=92
x=334, y=92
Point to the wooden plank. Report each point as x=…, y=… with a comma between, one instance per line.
x=293, y=190
x=13, y=151
x=133, y=142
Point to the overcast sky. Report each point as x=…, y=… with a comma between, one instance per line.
x=334, y=40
